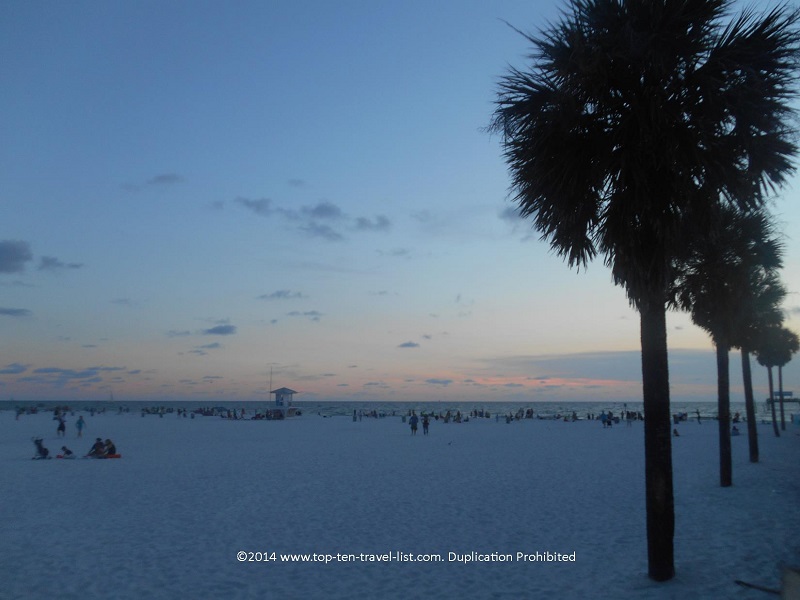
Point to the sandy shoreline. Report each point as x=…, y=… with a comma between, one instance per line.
x=169, y=518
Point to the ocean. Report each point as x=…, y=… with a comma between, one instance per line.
x=331, y=409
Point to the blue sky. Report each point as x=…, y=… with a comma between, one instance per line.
x=194, y=193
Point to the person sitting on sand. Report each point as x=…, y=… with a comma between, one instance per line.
x=110, y=448
x=41, y=451
x=66, y=452
x=98, y=449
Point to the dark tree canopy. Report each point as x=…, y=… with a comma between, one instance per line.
x=634, y=114
x=728, y=278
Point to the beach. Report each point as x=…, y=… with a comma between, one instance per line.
x=334, y=508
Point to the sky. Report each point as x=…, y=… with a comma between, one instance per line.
x=200, y=198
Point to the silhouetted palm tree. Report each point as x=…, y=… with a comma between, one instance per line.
x=775, y=349
x=789, y=346
x=716, y=283
x=768, y=294
x=635, y=118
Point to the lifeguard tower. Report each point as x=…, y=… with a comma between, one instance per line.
x=283, y=403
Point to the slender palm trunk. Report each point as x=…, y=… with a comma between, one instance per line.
x=749, y=406
x=772, y=403
x=657, y=443
x=780, y=393
x=724, y=420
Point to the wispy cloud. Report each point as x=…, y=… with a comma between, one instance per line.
x=313, y=315
x=59, y=377
x=510, y=214
x=260, y=206
x=178, y=333
x=220, y=330
x=282, y=295
x=442, y=382
x=165, y=179
x=318, y=230
x=123, y=302
x=395, y=252
x=159, y=180
x=324, y=219
x=13, y=369
x=13, y=256
x=15, y=312
x=323, y=210
x=380, y=223
x=408, y=345
x=51, y=263
x=202, y=350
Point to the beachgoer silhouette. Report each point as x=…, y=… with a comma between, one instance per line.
x=62, y=427
x=413, y=421
x=80, y=424
x=41, y=451
x=98, y=449
x=425, y=423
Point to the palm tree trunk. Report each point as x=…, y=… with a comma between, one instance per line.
x=772, y=403
x=750, y=406
x=780, y=393
x=724, y=418
x=657, y=442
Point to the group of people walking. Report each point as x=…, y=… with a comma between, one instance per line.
x=414, y=422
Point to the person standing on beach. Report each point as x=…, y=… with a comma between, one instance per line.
x=61, y=431
x=698, y=416
x=80, y=423
x=413, y=420
x=425, y=423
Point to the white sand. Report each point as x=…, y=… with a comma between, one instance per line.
x=167, y=520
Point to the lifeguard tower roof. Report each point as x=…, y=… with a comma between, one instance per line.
x=283, y=391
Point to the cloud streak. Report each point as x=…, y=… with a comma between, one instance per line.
x=220, y=330
x=51, y=263
x=15, y=312
x=282, y=295
x=13, y=256
x=324, y=220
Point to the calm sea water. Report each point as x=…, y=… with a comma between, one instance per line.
x=330, y=409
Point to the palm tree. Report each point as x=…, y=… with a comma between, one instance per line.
x=716, y=283
x=790, y=345
x=766, y=356
x=775, y=349
x=635, y=118
x=768, y=294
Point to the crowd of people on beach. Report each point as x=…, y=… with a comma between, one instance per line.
x=99, y=449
